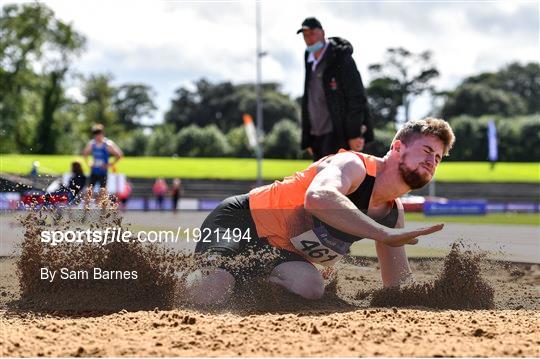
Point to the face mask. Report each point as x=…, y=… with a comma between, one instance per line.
x=315, y=47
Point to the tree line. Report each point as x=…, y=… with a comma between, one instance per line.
x=40, y=114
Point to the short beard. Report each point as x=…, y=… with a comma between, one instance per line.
x=411, y=177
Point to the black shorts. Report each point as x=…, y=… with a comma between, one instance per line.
x=95, y=178
x=229, y=232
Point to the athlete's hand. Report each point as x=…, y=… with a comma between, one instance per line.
x=396, y=237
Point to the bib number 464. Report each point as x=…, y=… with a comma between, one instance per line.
x=314, y=250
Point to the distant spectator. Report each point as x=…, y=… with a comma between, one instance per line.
x=35, y=169
x=176, y=192
x=335, y=111
x=160, y=190
x=78, y=180
x=101, y=148
x=34, y=172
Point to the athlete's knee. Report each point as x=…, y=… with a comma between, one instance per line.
x=301, y=278
x=209, y=286
x=312, y=289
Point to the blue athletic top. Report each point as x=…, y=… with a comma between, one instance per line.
x=101, y=156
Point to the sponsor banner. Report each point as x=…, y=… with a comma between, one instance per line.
x=208, y=204
x=522, y=207
x=188, y=204
x=496, y=207
x=150, y=204
x=455, y=207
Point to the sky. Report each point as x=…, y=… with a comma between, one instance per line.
x=169, y=44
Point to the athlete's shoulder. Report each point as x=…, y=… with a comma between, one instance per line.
x=342, y=156
x=351, y=160
x=345, y=164
x=108, y=142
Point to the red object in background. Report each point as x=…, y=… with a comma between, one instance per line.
x=126, y=192
x=160, y=187
x=416, y=203
x=413, y=203
x=45, y=198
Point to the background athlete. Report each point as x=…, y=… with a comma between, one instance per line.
x=313, y=216
x=101, y=149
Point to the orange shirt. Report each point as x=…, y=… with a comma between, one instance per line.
x=278, y=208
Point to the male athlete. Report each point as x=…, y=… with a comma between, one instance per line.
x=101, y=148
x=313, y=217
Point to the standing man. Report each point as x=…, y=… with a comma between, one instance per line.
x=101, y=148
x=160, y=189
x=335, y=113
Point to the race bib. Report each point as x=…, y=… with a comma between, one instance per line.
x=318, y=246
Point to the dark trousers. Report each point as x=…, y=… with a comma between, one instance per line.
x=324, y=145
x=234, y=216
x=96, y=178
x=175, y=199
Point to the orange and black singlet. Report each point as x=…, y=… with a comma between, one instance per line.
x=279, y=215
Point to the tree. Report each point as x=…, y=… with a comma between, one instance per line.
x=98, y=104
x=524, y=81
x=209, y=141
x=133, y=102
x=413, y=72
x=479, y=99
x=36, y=53
x=135, y=143
x=162, y=141
x=384, y=97
x=511, y=91
x=20, y=39
x=238, y=143
x=223, y=104
x=283, y=141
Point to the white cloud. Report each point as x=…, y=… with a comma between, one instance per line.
x=170, y=43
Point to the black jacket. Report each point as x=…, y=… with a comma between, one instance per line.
x=345, y=95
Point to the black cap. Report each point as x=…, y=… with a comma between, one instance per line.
x=310, y=23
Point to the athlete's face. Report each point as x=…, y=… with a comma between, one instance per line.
x=419, y=160
x=99, y=136
x=311, y=36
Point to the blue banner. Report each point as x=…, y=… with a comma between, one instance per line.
x=492, y=142
x=455, y=208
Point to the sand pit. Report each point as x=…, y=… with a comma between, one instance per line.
x=264, y=321
x=330, y=327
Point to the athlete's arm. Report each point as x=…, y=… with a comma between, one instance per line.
x=393, y=261
x=86, y=152
x=326, y=198
x=115, y=151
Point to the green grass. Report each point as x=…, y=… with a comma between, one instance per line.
x=531, y=219
x=482, y=172
x=246, y=169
